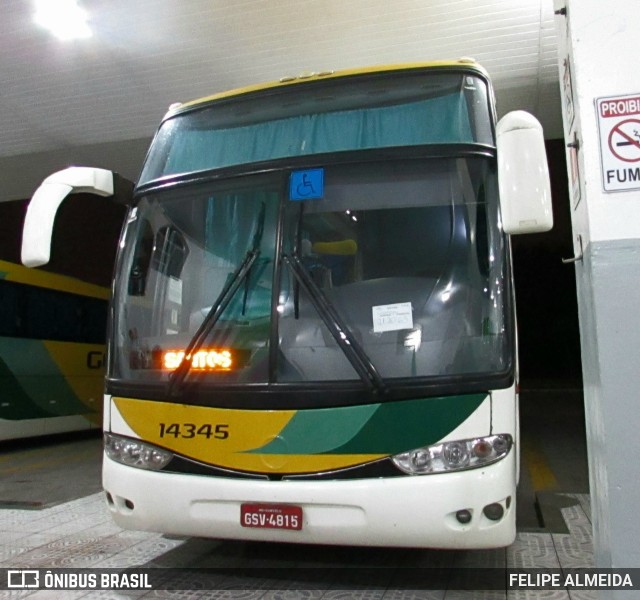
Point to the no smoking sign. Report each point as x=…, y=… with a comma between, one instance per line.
x=619, y=127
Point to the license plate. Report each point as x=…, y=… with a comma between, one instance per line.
x=271, y=516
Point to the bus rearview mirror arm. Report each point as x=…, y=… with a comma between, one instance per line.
x=44, y=205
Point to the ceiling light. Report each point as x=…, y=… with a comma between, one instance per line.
x=64, y=18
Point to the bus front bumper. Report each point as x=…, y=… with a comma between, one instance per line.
x=411, y=511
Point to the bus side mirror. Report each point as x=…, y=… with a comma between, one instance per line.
x=523, y=175
x=41, y=212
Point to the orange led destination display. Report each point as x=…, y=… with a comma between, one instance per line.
x=219, y=359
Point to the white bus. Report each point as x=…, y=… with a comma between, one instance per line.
x=313, y=328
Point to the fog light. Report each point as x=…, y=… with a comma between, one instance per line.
x=494, y=511
x=463, y=516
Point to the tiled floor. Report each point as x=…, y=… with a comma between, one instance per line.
x=80, y=534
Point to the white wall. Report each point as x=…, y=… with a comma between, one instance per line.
x=599, y=40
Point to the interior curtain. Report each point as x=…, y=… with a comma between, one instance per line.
x=441, y=120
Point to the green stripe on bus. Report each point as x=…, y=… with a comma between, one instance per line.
x=386, y=428
x=400, y=426
x=15, y=404
x=38, y=376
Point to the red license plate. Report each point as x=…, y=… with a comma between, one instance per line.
x=271, y=516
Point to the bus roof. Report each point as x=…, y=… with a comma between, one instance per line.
x=464, y=63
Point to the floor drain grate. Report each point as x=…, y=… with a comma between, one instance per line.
x=549, y=507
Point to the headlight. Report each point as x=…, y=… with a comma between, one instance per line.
x=455, y=455
x=135, y=453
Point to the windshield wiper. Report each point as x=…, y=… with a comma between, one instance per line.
x=213, y=316
x=338, y=329
x=241, y=274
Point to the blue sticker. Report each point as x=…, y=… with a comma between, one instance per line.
x=307, y=185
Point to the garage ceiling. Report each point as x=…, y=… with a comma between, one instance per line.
x=146, y=54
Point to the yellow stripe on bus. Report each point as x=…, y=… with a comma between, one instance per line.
x=82, y=366
x=226, y=437
x=53, y=281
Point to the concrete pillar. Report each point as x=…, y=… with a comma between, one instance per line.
x=600, y=81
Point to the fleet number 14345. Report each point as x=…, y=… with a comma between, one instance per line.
x=191, y=430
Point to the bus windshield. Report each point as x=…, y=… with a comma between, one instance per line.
x=372, y=270
x=383, y=110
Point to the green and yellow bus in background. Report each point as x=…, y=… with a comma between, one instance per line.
x=53, y=326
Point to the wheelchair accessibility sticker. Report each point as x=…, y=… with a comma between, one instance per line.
x=307, y=185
